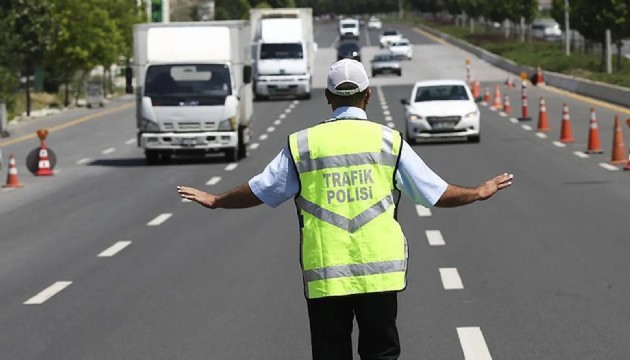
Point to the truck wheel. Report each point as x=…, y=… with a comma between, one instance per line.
x=151, y=157
x=306, y=96
x=231, y=155
x=242, y=147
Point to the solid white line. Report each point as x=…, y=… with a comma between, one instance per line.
x=213, y=180
x=422, y=211
x=159, y=220
x=514, y=120
x=391, y=125
x=108, y=151
x=231, y=167
x=435, y=238
x=277, y=122
x=47, y=293
x=526, y=127
x=254, y=146
x=450, y=279
x=271, y=129
x=282, y=116
x=114, y=249
x=559, y=144
x=263, y=137
x=541, y=135
x=581, y=154
x=388, y=118
x=130, y=141
x=84, y=161
x=473, y=343
x=609, y=167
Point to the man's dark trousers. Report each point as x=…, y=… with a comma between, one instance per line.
x=331, y=320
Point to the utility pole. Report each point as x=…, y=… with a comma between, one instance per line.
x=567, y=29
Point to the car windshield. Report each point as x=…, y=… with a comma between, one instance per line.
x=385, y=57
x=348, y=25
x=189, y=81
x=349, y=47
x=281, y=51
x=441, y=93
x=390, y=33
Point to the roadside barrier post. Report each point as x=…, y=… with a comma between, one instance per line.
x=524, y=110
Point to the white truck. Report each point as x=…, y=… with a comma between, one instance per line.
x=283, y=51
x=193, y=89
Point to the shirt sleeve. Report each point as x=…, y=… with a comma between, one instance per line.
x=278, y=182
x=417, y=180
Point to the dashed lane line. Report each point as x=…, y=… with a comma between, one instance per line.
x=213, y=180
x=271, y=129
x=114, y=249
x=609, y=167
x=231, y=166
x=391, y=125
x=47, y=293
x=581, y=154
x=108, y=151
x=423, y=211
x=514, y=120
x=263, y=137
x=559, y=144
x=130, y=141
x=277, y=122
x=526, y=127
x=473, y=344
x=435, y=238
x=84, y=161
x=450, y=279
x=541, y=135
x=254, y=146
x=159, y=220
x=282, y=116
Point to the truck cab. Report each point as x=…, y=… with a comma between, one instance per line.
x=349, y=28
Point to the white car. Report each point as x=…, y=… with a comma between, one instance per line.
x=375, y=23
x=402, y=49
x=349, y=28
x=441, y=109
x=388, y=37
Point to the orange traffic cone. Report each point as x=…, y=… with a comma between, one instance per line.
x=486, y=96
x=618, y=156
x=475, y=90
x=509, y=82
x=543, y=117
x=594, y=145
x=12, y=178
x=539, y=76
x=566, y=134
x=497, y=98
x=507, y=107
x=43, y=166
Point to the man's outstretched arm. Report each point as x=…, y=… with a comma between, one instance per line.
x=459, y=195
x=238, y=198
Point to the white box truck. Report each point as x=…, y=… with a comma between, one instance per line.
x=193, y=89
x=283, y=50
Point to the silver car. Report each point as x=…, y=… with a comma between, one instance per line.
x=386, y=63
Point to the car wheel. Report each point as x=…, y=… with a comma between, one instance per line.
x=410, y=139
x=474, y=138
x=399, y=73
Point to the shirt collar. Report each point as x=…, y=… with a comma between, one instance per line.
x=348, y=112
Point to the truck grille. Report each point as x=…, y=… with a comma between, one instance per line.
x=188, y=126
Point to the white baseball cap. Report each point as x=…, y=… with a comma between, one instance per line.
x=347, y=71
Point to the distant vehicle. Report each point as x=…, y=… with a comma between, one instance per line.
x=546, y=29
x=402, y=49
x=385, y=63
x=349, y=28
x=375, y=23
x=388, y=37
x=441, y=109
x=349, y=49
x=94, y=96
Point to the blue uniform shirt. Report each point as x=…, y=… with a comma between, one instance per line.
x=279, y=181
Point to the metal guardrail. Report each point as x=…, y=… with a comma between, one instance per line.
x=610, y=93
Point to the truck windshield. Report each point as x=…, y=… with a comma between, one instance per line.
x=281, y=51
x=200, y=84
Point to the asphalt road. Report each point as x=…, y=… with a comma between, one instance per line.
x=539, y=272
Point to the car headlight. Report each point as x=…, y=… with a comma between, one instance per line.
x=471, y=114
x=415, y=117
x=149, y=126
x=228, y=124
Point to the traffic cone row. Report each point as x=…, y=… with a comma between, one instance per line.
x=618, y=148
x=486, y=96
x=497, y=98
x=507, y=107
x=594, y=145
x=13, y=181
x=543, y=117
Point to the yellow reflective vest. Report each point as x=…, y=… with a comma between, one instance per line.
x=351, y=242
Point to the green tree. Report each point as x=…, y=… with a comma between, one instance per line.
x=232, y=9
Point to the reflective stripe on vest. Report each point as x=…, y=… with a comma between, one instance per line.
x=367, y=252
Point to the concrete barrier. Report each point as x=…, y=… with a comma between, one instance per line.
x=610, y=93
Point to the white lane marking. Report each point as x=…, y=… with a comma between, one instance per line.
x=541, y=135
x=159, y=219
x=186, y=200
x=282, y=116
x=526, y=127
x=609, y=167
x=450, y=279
x=271, y=129
x=296, y=102
x=254, y=146
x=502, y=114
x=473, y=344
x=388, y=118
x=288, y=110
x=581, y=154
x=231, y=166
x=84, y=161
x=213, y=180
x=483, y=103
x=435, y=238
x=386, y=112
x=47, y=293
x=130, y=141
x=514, y=120
x=292, y=106
x=263, y=137
x=559, y=144
x=277, y=122
x=422, y=211
x=114, y=249
x=108, y=151
x=391, y=125
x=384, y=107
x=492, y=108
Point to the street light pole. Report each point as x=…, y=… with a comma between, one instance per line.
x=567, y=29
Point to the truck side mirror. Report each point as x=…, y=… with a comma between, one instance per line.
x=247, y=74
